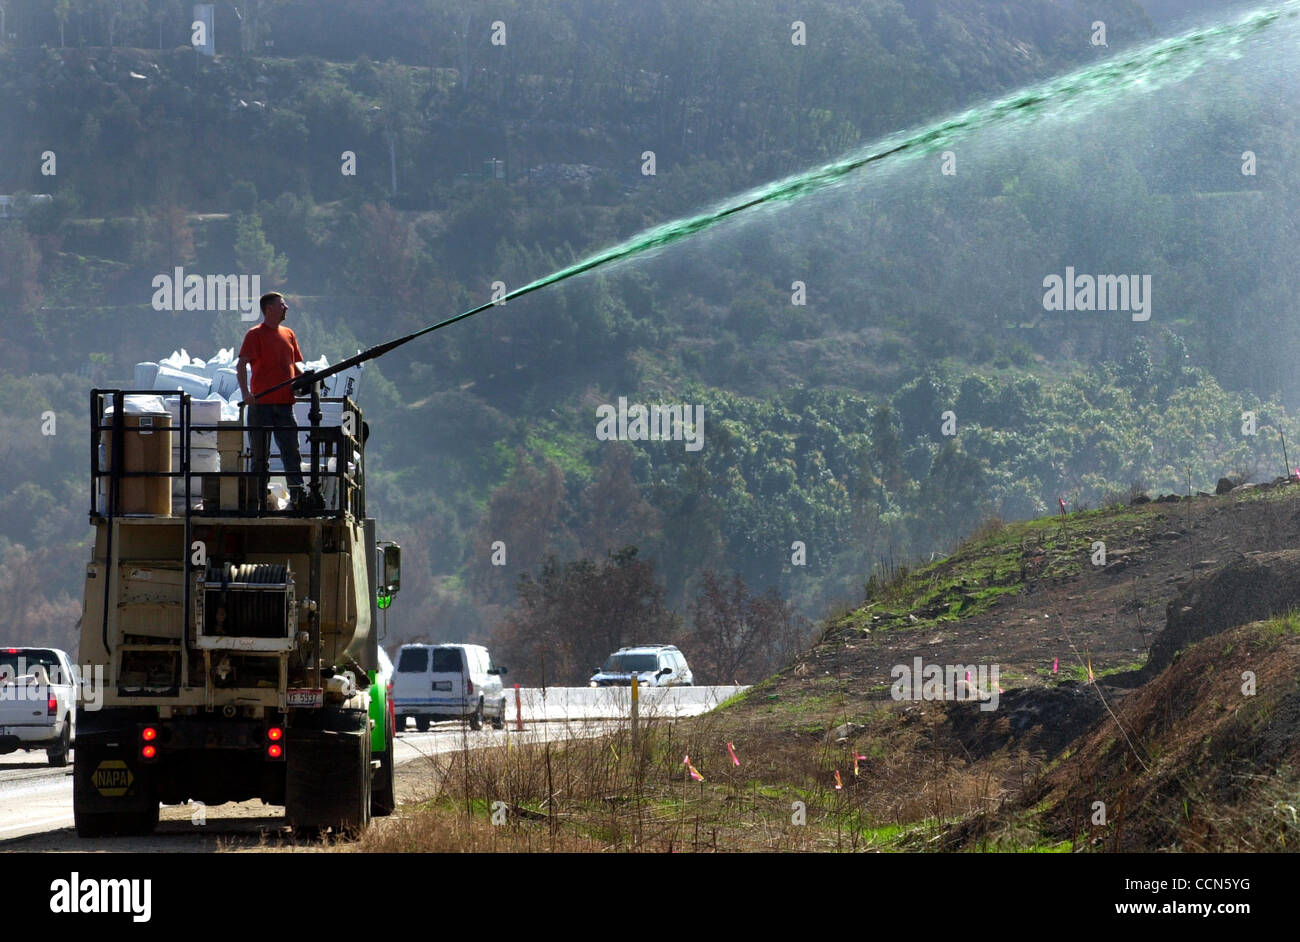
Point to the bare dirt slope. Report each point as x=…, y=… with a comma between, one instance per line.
x=1028, y=595
x=1176, y=700
x=1202, y=758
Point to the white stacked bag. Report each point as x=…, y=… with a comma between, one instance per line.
x=204, y=457
x=213, y=387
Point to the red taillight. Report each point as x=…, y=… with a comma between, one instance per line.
x=52, y=707
x=11, y=650
x=148, y=751
x=469, y=687
x=274, y=746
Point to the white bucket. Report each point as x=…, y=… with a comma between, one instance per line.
x=145, y=374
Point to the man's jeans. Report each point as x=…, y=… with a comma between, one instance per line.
x=278, y=419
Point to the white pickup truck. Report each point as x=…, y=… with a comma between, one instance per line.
x=38, y=702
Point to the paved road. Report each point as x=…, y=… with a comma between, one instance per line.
x=33, y=796
x=37, y=800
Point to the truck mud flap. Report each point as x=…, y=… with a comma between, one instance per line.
x=113, y=789
x=328, y=775
x=113, y=793
x=110, y=779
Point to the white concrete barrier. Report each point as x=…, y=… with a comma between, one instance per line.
x=570, y=703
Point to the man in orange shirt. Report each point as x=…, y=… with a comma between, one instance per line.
x=272, y=351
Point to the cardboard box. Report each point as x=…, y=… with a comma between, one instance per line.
x=230, y=445
x=146, y=446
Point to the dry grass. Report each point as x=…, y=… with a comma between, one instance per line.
x=992, y=525
x=609, y=793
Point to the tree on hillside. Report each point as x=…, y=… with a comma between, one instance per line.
x=162, y=238
x=20, y=264
x=385, y=260
x=62, y=10
x=39, y=617
x=886, y=449
x=255, y=24
x=466, y=49
x=256, y=256
x=571, y=616
x=119, y=17
x=614, y=511
x=694, y=520
x=920, y=404
x=739, y=637
x=953, y=497
x=396, y=112
x=527, y=515
x=161, y=12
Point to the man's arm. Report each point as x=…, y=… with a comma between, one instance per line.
x=242, y=371
x=298, y=359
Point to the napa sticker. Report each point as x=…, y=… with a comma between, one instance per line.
x=112, y=779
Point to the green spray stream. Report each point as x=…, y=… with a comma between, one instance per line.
x=1141, y=70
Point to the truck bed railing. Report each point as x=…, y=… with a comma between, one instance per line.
x=339, y=472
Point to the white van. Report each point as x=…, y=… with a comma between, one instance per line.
x=447, y=682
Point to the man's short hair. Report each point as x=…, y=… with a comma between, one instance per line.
x=267, y=298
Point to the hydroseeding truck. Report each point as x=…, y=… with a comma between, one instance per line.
x=238, y=647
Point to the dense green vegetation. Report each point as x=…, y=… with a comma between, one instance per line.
x=823, y=421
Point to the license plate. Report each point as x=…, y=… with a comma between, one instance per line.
x=442, y=685
x=304, y=697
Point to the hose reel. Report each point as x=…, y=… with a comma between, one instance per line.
x=246, y=607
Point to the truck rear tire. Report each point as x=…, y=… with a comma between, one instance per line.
x=383, y=798
x=58, y=753
x=328, y=775
x=422, y=723
x=476, y=718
